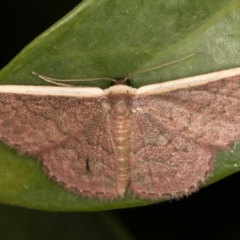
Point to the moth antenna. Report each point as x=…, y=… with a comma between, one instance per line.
x=59, y=81
x=160, y=66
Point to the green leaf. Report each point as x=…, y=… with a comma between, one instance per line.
x=105, y=38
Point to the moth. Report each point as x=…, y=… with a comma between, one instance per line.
x=156, y=141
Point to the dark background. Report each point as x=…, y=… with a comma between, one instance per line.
x=211, y=213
